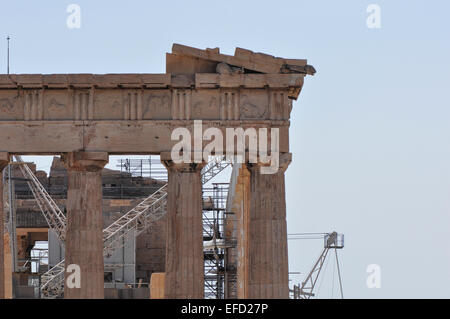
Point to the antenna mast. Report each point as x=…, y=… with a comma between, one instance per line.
x=7, y=39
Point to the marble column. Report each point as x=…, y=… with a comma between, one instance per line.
x=184, y=277
x=4, y=161
x=268, y=273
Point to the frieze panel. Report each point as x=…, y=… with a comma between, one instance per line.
x=11, y=106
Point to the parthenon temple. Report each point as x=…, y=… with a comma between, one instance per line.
x=138, y=227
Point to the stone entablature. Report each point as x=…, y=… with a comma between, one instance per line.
x=135, y=113
x=223, y=103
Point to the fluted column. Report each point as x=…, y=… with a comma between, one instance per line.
x=84, y=234
x=184, y=251
x=268, y=274
x=4, y=160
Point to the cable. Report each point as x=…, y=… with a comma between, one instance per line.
x=332, y=282
x=297, y=236
x=304, y=238
x=301, y=234
x=339, y=273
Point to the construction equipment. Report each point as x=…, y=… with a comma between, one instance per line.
x=306, y=290
x=215, y=166
x=215, y=241
x=134, y=222
x=55, y=218
x=114, y=236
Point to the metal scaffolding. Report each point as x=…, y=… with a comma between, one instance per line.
x=143, y=167
x=216, y=241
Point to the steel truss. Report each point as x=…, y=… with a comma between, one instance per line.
x=306, y=290
x=55, y=218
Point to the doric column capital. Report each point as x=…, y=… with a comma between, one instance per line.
x=190, y=167
x=4, y=160
x=275, y=165
x=183, y=167
x=85, y=161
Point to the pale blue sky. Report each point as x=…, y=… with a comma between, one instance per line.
x=369, y=133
